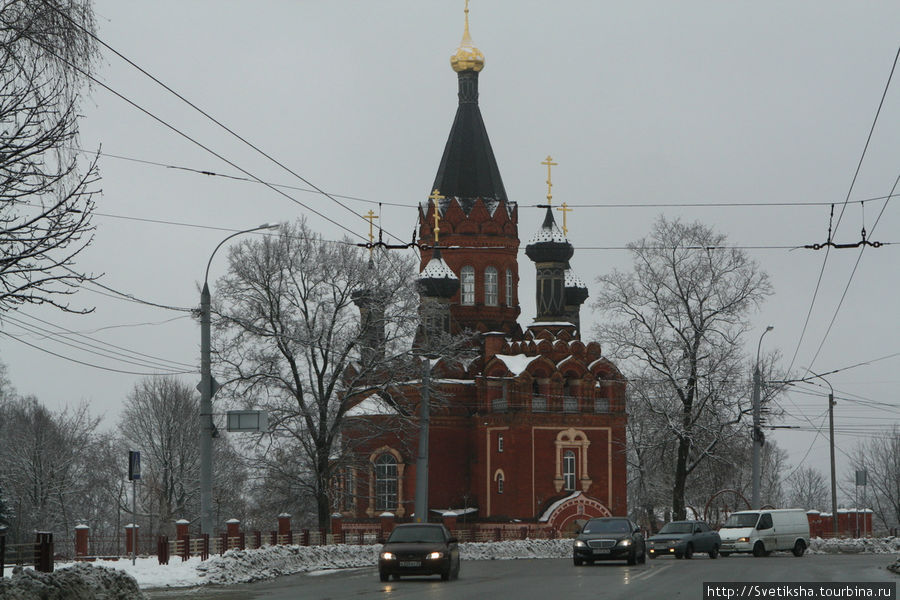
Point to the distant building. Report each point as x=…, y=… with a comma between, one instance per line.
x=534, y=427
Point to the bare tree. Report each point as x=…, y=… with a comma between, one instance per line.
x=161, y=419
x=45, y=196
x=681, y=316
x=45, y=458
x=880, y=457
x=809, y=489
x=291, y=340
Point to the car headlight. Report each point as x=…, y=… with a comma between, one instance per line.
x=388, y=555
x=650, y=545
x=435, y=555
x=743, y=539
x=580, y=544
x=625, y=542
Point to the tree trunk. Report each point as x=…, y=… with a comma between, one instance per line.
x=678, y=510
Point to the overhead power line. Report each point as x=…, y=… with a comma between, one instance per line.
x=209, y=173
x=87, y=364
x=211, y=118
x=846, y=200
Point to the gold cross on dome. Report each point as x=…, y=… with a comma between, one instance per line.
x=564, y=209
x=435, y=197
x=549, y=162
x=370, y=217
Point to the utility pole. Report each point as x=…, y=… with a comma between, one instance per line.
x=421, y=504
x=757, y=446
x=834, y=518
x=208, y=388
x=757, y=437
x=206, y=422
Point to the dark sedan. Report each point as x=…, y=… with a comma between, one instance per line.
x=419, y=549
x=609, y=538
x=682, y=538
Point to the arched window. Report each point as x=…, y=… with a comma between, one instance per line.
x=467, y=285
x=500, y=481
x=491, y=293
x=509, y=287
x=569, y=470
x=385, y=482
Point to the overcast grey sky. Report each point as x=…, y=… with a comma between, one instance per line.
x=640, y=103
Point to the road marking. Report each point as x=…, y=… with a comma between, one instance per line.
x=651, y=572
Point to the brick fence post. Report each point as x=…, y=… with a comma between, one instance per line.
x=337, y=528
x=387, y=525
x=233, y=527
x=82, y=533
x=449, y=519
x=183, y=537
x=131, y=538
x=284, y=529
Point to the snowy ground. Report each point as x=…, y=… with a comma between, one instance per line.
x=241, y=566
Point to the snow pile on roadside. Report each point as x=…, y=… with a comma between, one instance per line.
x=243, y=566
x=150, y=574
x=78, y=582
x=516, y=549
x=886, y=545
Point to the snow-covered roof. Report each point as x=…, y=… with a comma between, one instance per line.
x=371, y=405
x=549, y=512
x=437, y=269
x=516, y=363
x=457, y=381
x=548, y=234
x=573, y=280
x=454, y=512
x=551, y=324
x=563, y=361
x=591, y=366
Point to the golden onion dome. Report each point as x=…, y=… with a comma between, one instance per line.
x=467, y=57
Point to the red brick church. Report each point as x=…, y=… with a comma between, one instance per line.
x=533, y=429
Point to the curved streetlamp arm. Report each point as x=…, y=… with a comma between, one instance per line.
x=237, y=233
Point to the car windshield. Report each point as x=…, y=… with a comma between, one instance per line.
x=606, y=527
x=742, y=520
x=677, y=528
x=417, y=534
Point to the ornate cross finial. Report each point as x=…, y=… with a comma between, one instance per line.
x=564, y=209
x=370, y=217
x=435, y=197
x=549, y=162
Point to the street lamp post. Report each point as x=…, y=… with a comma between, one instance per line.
x=757, y=437
x=207, y=385
x=834, y=518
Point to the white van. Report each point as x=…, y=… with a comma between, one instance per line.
x=763, y=531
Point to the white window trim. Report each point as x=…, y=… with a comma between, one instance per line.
x=467, y=286
x=491, y=287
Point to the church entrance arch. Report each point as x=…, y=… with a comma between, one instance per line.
x=571, y=512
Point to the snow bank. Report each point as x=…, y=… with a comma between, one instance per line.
x=78, y=582
x=887, y=545
x=243, y=566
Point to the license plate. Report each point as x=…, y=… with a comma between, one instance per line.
x=601, y=550
x=410, y=563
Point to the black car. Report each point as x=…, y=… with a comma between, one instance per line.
x=419, y=549
x=609, y=538
x=682, y=538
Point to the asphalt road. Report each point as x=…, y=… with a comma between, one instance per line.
x=558, y=579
